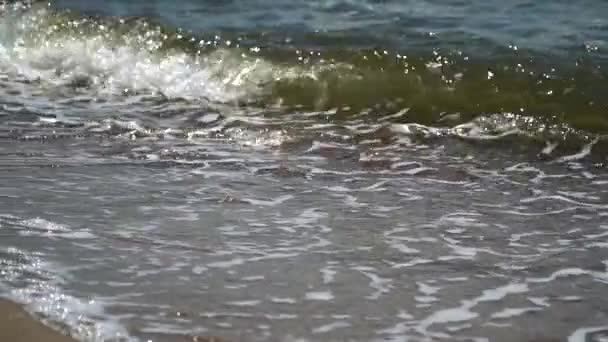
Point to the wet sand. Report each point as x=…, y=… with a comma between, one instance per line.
x=16, y=325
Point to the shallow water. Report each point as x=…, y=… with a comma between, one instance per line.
x=306, y=171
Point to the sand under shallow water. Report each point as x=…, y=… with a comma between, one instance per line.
x=16, y=325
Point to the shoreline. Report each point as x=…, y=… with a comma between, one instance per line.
x=16, y=325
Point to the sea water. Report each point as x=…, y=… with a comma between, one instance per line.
x=354, y=170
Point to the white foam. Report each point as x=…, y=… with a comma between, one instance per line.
x=270, y=203
x=567, y=272
x=463, y=312
x=580, y=335
x=279, y=300
x=44, y=225
x=455, y=279
x=462, y=219
x=463, y=252
x=329, y=327
x=585, y=151
x=130, y=64
x=401, y=247
x=244, y=303
x=328, y=274
x=41, y=227
x=379, y=284
x=540, y=301
x=79, y=235
x=199, y=269
x=413, y=262
x=281, y=316
x=501, y=292
x=458, y=314
x=455, y=328
x=227, y=264
x=320, y=295
x=425, y=299
x=405, y=315
x=427, y=289
x=512, y=312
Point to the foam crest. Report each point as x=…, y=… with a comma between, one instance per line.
x=100, y=60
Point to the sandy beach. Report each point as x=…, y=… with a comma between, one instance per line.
x=16, y=325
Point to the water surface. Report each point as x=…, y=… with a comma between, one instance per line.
x=320, y=171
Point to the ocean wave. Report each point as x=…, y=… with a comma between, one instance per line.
x=51, y=60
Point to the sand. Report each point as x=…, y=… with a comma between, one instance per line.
x=16, y=325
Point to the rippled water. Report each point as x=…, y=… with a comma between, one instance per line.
x=320, y=171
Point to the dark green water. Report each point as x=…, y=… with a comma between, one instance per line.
x=457, y=60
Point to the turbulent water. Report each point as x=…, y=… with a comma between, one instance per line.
x=354, y=170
